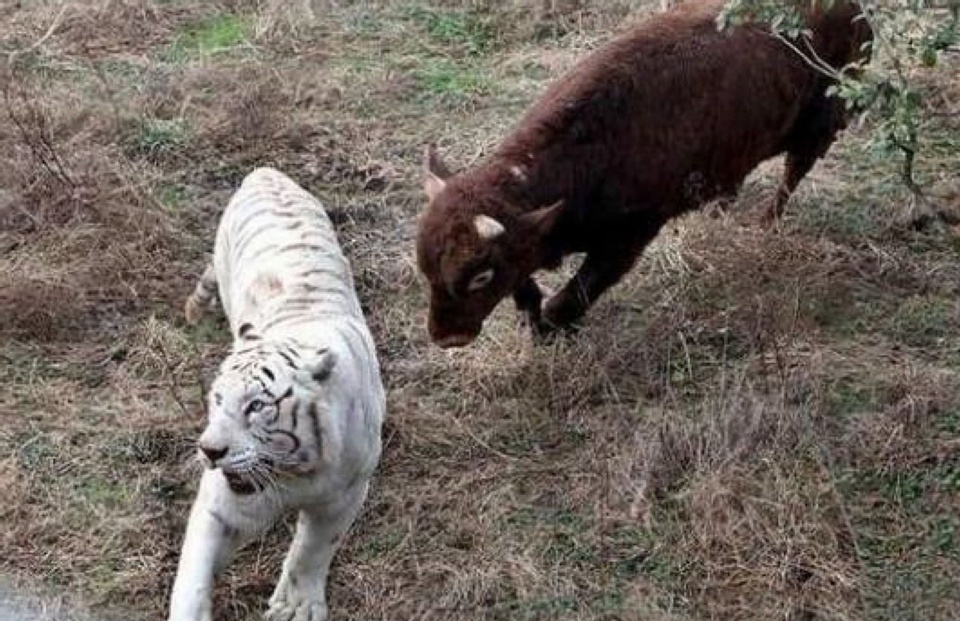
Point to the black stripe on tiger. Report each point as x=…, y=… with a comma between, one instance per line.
x=315, y=423
x=303, y=246
x=286, y=395
x=321, y=270
x=283, y=432
x=247, y=219
x=295, y=416
x=288, y=358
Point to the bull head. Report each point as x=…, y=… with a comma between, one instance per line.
x=472, y=255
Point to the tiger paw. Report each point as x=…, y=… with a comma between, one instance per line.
x=203, y=613
x=293, y=607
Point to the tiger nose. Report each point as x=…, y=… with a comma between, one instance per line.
x=213, y=453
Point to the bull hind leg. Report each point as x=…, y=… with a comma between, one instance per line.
x=809, y=140
x=204, y=296
x=797, y=165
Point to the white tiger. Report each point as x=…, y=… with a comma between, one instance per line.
x=296, y=410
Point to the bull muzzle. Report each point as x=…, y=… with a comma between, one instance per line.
x=448, y=334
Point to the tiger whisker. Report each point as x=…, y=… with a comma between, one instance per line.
x=262, y=476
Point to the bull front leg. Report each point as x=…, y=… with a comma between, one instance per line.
x=528, y=299
x=598, y=273
x=602, y=268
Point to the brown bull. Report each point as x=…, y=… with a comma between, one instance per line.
x=657, y=122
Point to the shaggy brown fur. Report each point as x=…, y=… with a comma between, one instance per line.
x=657, y=122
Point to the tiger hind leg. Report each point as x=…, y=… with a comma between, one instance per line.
x=204, y=296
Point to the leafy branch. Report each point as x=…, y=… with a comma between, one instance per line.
x=907, y=35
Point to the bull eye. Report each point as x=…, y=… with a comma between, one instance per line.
x=481, y=280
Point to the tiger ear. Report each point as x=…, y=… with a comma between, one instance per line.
x=318, y=368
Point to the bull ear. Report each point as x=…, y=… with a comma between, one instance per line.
x=435, y=172
x=544, y=219
x=317, y=368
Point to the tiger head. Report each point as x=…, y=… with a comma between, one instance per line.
x=264, y=413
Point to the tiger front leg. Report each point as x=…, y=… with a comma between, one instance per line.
x=208, y=545
x=301, y=591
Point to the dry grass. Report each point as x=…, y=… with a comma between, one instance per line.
x=754, y=425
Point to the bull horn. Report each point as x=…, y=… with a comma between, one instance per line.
x=488, y=228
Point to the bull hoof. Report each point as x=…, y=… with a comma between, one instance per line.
x=542, y=332
x=555, y=320
x=546, y=333
x=772, y=215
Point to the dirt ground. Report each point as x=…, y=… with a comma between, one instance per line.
x=755, y=424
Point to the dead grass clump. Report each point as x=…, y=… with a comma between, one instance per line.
x=773, y=544
x=238, y=117
x=736, y=290
x=102, y=28
x=748, y=531
x=905, y=416
x=42, y=311
x=83, y=224
x=743, y=428
x=544, y=19
x=52, y=194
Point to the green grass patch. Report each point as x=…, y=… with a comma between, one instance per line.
x=451, y=82
x=949, y=422
x=172, y=196
x=33, y=450
x=379, y=544
x=538, y=608
x=216, y=35
x=105, y=493
x=212, y=328
x=154, y=138
x=842, y=219
x=923, y=321
x=467, y=30
x=850, y=396
x=121, y=70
